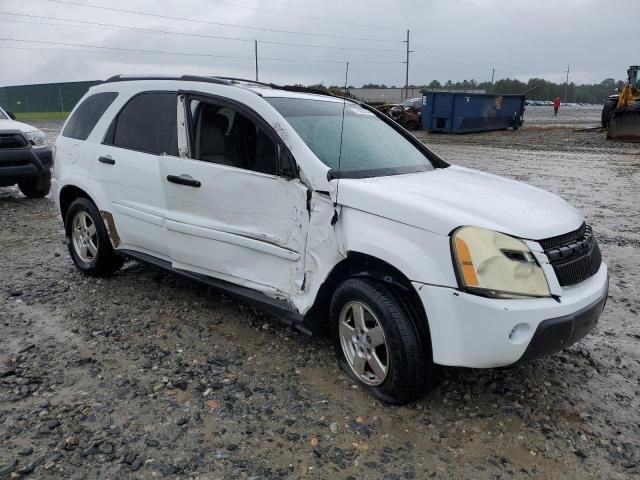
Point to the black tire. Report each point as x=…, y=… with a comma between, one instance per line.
x=105, y=261
x=38, y=188
x=607, y=111
x=410, y=369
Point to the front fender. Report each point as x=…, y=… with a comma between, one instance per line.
x=422, y=256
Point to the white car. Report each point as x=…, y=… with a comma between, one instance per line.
x=330, y=215
x=25, y=158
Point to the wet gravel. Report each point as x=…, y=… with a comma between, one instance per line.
x=147, y=375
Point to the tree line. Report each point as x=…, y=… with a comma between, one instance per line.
x=542, y=89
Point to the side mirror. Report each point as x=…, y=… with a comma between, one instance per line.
x=288, y=167
x=12, y=115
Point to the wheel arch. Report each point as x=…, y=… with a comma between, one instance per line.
x=68, y=194
x=357, y=264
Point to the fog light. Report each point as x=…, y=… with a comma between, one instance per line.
x=520, y=333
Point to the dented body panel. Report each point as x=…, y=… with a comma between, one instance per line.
x=244, y=226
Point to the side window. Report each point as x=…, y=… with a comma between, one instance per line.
x=147, y=123
x=87, y=114
x=225, y=136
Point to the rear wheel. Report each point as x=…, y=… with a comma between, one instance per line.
x=88, y=240
x=36, y=188
x=378, y=343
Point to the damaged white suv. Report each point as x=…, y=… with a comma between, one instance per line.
x=330, y=215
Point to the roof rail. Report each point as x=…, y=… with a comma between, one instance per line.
x=222, y=81
x=186, y=78
x=245, y=80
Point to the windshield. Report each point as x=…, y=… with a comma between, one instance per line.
x=370, y=147
x=3, y=116
x=635, y=78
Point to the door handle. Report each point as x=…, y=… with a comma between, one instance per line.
x=107, y=160
x=183, y=180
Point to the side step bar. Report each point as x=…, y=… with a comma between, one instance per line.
x=278, y=308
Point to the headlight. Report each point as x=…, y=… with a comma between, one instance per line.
x=497, y=265
x=36, y=138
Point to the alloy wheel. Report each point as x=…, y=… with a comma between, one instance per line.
x=84, y=237
x=364, y=343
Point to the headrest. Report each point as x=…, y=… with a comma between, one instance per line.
x=212, y=129
x=210, y=116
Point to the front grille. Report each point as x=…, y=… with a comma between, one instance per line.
x=560, y=240
x=574, y=256
x=12, y=140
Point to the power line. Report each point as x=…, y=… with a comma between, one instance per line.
x=184, y=34
x=292, y=14
x=209, y=55
x=221, y=24
x=123, y=49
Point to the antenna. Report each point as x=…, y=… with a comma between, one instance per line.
x=344, y=105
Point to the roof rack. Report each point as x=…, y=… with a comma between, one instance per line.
x=247, y=81
x=186, y=78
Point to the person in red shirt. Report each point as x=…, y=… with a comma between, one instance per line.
x=556, y=105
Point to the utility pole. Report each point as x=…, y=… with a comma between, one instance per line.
x=256, y=52
x=406, y=82
x=493, y=73
x=566, y=85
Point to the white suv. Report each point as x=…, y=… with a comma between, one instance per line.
x=330, y=215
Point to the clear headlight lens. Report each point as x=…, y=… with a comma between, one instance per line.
x=496, y=264
x=37, y=138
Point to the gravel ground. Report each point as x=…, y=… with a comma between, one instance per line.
x=146, y=375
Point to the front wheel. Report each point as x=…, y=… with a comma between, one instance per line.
x=607, y=111
x=88, y=240
x=38, y=188
x=378, y=343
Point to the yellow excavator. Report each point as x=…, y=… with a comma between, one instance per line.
x=621, y=113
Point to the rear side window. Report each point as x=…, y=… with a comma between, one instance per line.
x=87, y=114
x=147, y=123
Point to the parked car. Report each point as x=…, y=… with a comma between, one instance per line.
x=25, y=158
x=415, y=103
x=327, y=213
x=406, y=115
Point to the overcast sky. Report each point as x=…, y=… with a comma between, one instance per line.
x=452, y=39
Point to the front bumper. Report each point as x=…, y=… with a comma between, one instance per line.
x=19, y=164
x=472, y=331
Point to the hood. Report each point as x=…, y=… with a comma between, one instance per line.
x=446, y=198
x=8, y=124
